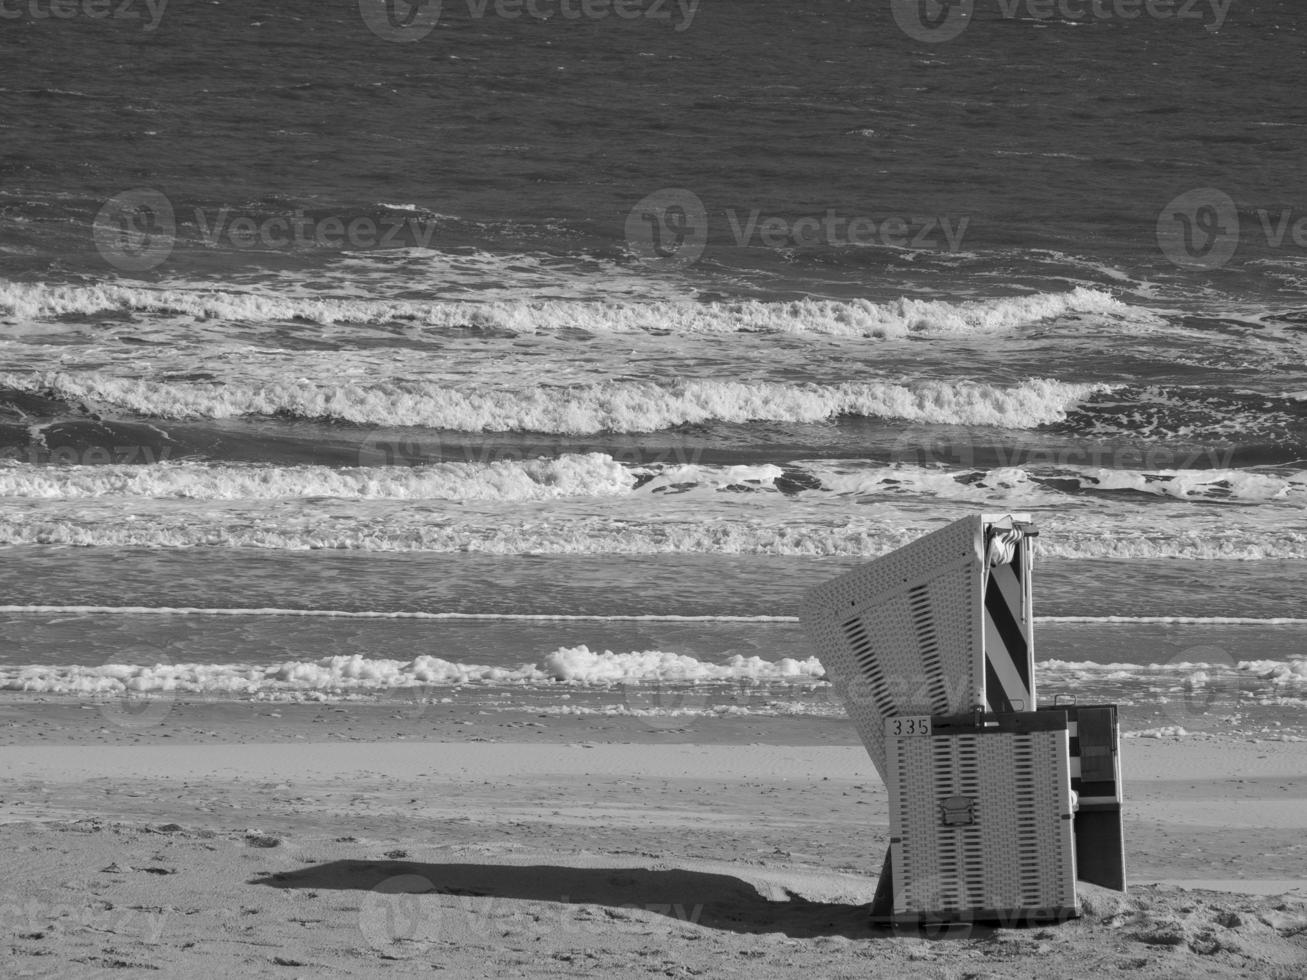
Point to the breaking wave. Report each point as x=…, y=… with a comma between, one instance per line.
x=598, y=474
x=592, y=528
x=335, y=675
x=612, y=406
x=853, y=318
x=593, y=474
x=572, y=666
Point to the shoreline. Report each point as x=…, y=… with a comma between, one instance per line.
x=719, y=716
x=603, y=831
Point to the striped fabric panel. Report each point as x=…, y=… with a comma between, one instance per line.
x=1009, y=681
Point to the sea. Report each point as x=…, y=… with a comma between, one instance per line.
x=548, y=351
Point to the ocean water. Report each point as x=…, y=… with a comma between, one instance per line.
x=649, y=310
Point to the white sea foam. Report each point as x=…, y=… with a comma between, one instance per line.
x=677, y=707
x=857, y=318
x=1268, y=676
x=581, y=665
x=329, y=675
x=591, y=474
x=573, y=666
x=334, y=675
x=84, y=610
x=607, y=526
x=1221, y=484
x=598, y=474
x=1280, y=673
x=1165, y=731
x=612, y=406
x=1036, y=483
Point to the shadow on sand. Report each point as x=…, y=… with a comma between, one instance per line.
x=716, y=901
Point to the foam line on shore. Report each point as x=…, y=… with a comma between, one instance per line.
x=398, y=614
x=1175, y=620
x=598, y=618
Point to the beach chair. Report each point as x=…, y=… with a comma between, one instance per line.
x=931, y=648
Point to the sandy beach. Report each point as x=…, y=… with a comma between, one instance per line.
x=587, y=849
x=429, y=433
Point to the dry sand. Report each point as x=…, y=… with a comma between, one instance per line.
x=268, y=849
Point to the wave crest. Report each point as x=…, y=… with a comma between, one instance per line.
x=592, y=474
x=610, y=406
x=357, y=673
x=851, y=318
